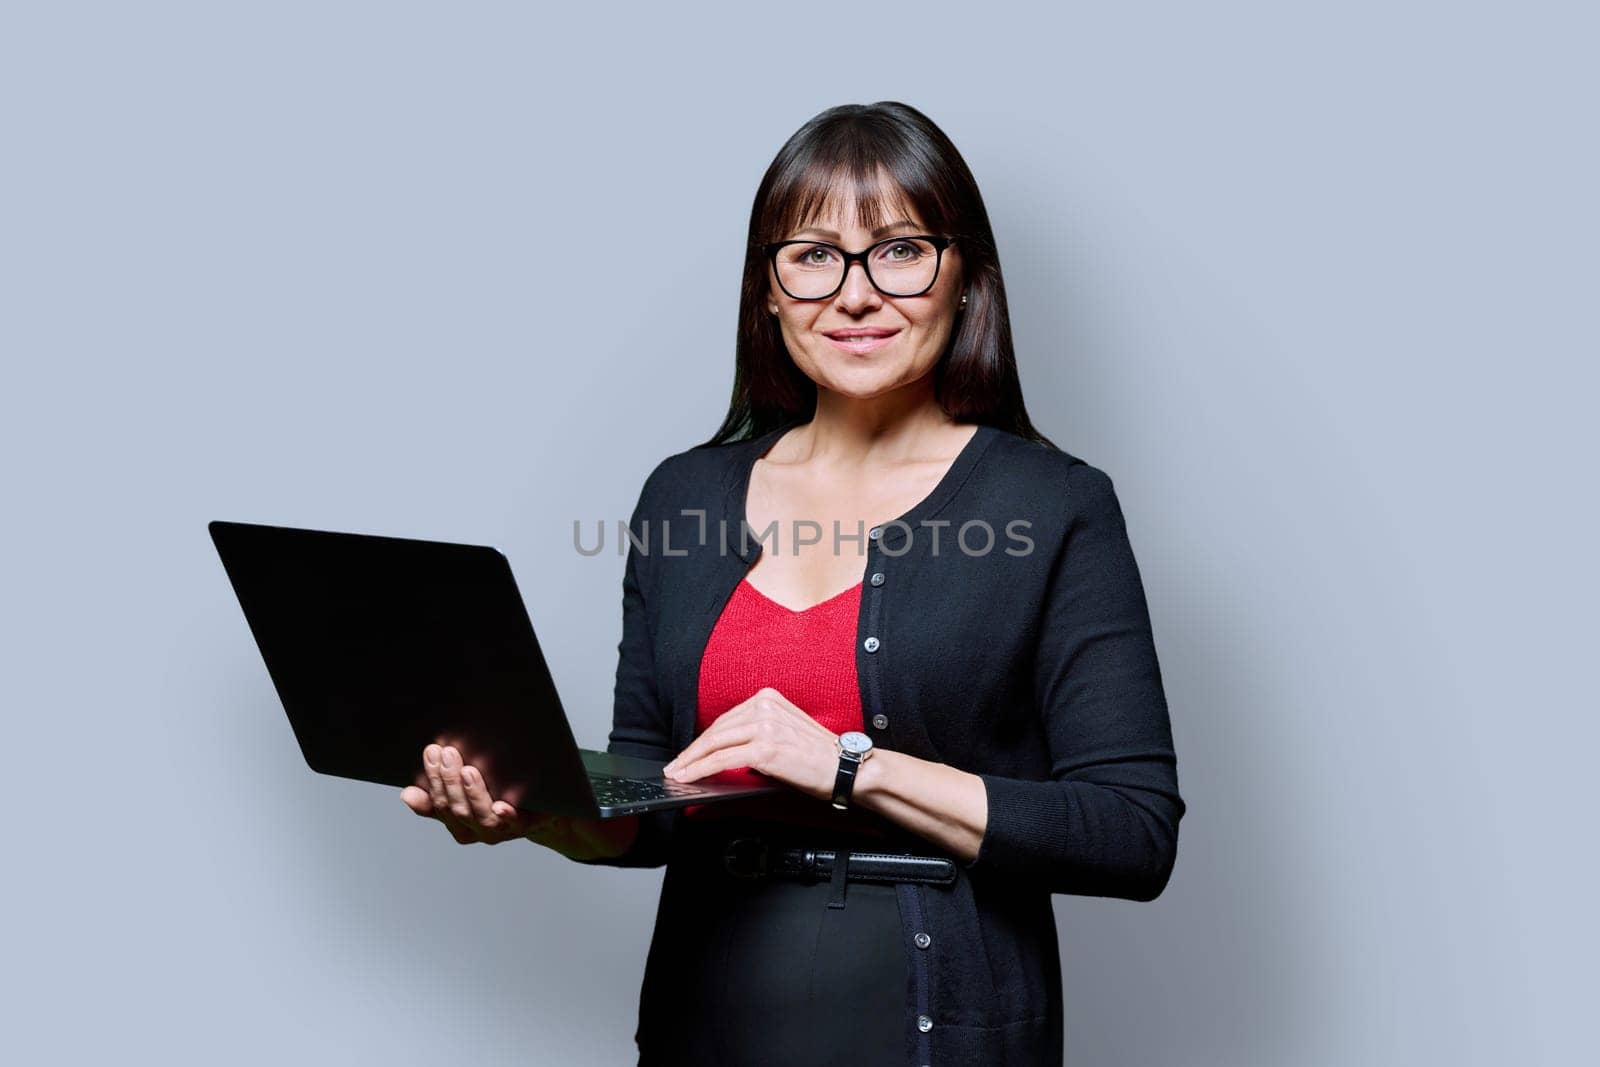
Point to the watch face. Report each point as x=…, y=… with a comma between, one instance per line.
x=855, y=741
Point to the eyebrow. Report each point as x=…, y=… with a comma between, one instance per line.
x=879, y=232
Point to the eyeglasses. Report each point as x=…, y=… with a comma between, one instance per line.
x=896, y=266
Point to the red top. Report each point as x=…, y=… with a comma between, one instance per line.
x=810, y=657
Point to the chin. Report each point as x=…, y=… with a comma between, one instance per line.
x=864, y=383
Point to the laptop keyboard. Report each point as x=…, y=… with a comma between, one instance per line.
x=610, y=790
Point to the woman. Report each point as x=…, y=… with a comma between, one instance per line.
x=918, y=565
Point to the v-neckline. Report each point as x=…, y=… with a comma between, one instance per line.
x=799, y=611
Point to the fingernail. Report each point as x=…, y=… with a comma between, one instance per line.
x=432, y=756
x=449, y=757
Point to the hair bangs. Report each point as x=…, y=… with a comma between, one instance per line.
x=877, y=187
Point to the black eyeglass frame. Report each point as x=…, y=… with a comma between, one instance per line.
x=939, y=242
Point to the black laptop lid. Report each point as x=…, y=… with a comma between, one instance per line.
x=379, y=646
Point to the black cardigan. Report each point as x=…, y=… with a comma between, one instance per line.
x=1032, y=665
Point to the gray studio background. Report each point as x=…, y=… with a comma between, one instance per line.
x=1315, y=285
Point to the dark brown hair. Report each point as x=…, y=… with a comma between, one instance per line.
x=975, y=379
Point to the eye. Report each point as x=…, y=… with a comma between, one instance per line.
x=902, y=251
x=811, y=256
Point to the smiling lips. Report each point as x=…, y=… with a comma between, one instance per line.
x=860, y=339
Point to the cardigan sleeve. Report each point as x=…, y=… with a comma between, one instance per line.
x=1106, y=822
x=641, y=725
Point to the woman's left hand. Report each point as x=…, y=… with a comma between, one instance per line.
x=769, y=734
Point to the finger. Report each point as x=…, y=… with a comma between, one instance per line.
x=430, y=765
x=682, y=759
x=748, y=755
x=513, y=820
x=742, y=724
x=455, y=795
x=489, y=821
x=696, y=750
x=728, y=728
x=726, y=739
x=417, y=799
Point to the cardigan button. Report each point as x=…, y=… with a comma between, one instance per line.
x=924, y=1023
x=873, y=533
x=870, y=644
x=877, y=578
x=881, y=722
x=922, y=939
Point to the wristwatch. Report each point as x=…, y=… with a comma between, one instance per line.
x=854, y=748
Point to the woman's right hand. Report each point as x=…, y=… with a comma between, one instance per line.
x=456, y=796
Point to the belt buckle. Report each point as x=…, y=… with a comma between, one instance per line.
x=746, y=857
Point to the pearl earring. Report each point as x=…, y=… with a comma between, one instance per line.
x=963, y=299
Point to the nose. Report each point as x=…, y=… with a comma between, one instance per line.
x=857, y=294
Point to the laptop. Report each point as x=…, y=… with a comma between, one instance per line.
x=379, y=646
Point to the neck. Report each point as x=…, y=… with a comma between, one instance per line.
x=904, y=424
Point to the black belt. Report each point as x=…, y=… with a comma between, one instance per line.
x=757, y=858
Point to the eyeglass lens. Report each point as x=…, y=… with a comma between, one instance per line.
x=904, y=266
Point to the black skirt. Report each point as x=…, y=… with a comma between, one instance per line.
x=762, y=972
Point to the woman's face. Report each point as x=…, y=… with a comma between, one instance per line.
x=913, y=331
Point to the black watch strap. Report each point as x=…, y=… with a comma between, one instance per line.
x=844, y=782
